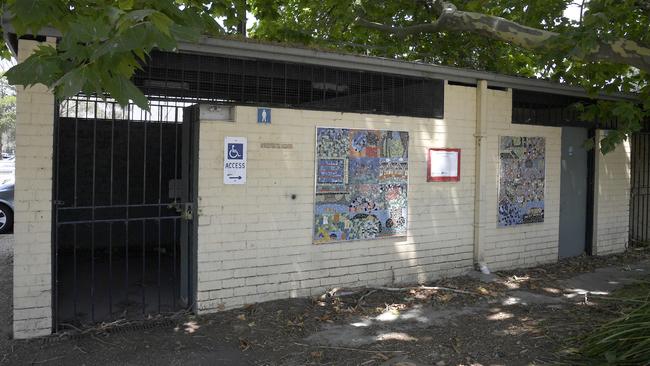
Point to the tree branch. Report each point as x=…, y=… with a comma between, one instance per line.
x=451, y=19
x=400, y=31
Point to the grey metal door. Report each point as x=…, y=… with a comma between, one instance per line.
x=640, y=190
x=573, y=192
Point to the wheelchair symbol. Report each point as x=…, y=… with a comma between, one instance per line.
x=235, y=151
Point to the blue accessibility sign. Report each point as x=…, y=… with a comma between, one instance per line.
x=236, y=151
x=234, y=160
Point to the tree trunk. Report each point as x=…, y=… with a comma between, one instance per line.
x=451, y=19
x=241, y=28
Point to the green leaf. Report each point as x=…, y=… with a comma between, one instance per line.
x=30, y=16
x=43, y=66
x=71, y=83
x=123, y=90
x=589, y=144
x=138, y=15
x=161, y=22
x=133, y=93
x=185, y=33
x=141, y=54
x=126, y=4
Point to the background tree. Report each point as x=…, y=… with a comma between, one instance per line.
x=605, y=50
x=7, y=116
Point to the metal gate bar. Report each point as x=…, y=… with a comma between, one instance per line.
x=640, y=189
x=110, y=208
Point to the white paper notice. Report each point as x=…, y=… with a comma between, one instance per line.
x=443, y=163
x=234, y=160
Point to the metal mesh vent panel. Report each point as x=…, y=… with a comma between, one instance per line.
x=545, y=109
x=289, y=85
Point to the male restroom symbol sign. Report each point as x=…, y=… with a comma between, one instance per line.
x=264, y=115
x=234, y=160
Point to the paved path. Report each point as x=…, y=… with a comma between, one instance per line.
x=604, y=280
x=369, y=330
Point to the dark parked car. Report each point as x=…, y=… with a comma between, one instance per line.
x=6, y=206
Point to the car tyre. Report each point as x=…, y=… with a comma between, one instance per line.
x=6, y=219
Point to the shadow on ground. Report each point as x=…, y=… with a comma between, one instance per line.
x=517, y=317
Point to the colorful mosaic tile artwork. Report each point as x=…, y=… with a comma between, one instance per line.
x=521, y=180
x=361, y=184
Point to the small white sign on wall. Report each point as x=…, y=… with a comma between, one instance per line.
x=234, y=160
x=443, y=165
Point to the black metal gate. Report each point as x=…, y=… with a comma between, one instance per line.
x=640, y=189
x=122, y=212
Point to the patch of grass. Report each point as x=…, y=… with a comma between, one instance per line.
x=638, y=291
x=626, y=339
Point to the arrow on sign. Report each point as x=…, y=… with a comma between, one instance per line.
x=235, y=177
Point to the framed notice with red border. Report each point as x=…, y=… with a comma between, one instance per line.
x=443, y=165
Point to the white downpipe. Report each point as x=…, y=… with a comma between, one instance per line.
x=480, y=212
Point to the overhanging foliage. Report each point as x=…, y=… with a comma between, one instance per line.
x=104, y=41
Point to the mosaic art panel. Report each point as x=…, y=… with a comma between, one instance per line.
x=331, y=175
x=521, y=181
x=361, y=184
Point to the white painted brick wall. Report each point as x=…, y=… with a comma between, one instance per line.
x=612, y=201
x=33, y=197
x=255, y=241
x=530, y=244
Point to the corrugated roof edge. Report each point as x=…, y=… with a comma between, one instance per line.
x=255, y=49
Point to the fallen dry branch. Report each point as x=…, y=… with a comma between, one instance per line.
x=365, y=295
x=340, y=292
x=46, y=361
x=348, y=348
x=103, y=342
x=436, y=288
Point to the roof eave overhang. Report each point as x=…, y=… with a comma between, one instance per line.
x=279, y=52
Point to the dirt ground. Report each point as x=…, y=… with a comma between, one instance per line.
x=523, y=317
x=6, y=291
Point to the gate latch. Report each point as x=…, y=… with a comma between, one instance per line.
x=183, y=208
x=186, y=213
